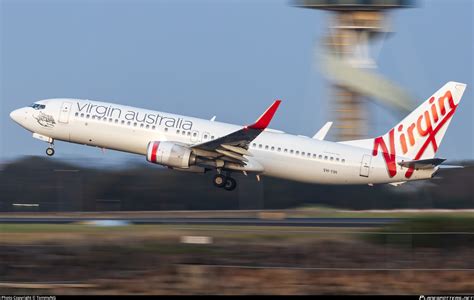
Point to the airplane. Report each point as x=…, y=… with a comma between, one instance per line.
x=406, y=152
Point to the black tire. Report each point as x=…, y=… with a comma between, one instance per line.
x=219, y=180
x=230, y=184
x=50, y=151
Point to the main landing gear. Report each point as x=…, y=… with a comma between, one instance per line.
x=226, y=182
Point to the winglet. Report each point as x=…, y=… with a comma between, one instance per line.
x=266, y=117
x=321, y=134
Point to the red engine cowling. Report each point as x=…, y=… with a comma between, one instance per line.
x=170, y=154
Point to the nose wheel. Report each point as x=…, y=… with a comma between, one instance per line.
x=226, y=182
x=50, y=151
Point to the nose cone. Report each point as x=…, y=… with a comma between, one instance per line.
x=16, y=115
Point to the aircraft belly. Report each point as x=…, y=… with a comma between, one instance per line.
x=108, y=136
x=304, y=170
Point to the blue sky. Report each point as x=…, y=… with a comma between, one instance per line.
x=224, y=58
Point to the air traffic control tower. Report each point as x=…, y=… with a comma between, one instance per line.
x=346, y=61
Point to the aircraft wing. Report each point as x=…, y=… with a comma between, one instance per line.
x=234, y=146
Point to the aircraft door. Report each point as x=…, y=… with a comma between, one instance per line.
x=65, y=111
x=365, y=165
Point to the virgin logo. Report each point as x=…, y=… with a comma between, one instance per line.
x=423, y=130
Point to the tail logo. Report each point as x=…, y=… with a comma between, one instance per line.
x=426, y=126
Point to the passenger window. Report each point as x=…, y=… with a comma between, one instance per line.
x=320, y=156
x=302, y=153
x=166, y=128
x=331, y=159
x=325, y=158
x=128, y=123
x=297, y=152
x=286, y=150
x=147, y=126
x=273, y=148
x=189, y=133
x=260, y=146
x=87, y=116
x=279, y=149
x=337, y=158
x=135, y=124
x=291, y=151
x=195, y=134
x=266, y=147
x=76, y=114
x=122, y=122
x=82, y=115
x=314, y=155
x=254, y=144
x=343, y=160
x=205, y=136
x=116, y=121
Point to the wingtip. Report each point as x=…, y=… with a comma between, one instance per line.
x=266, y=117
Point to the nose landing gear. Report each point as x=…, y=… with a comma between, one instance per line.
x=50, y=151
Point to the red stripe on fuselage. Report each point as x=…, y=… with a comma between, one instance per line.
x=154, y=150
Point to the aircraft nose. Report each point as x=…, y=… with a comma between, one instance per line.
x=19, y=115
x=15, y=115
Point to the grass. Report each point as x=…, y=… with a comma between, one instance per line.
x=328, y=212
x=51, y=228
x=427, y=231
x=64, y=233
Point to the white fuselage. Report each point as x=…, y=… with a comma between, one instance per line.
x=281, y=155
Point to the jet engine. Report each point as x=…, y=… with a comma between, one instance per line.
x=170, y=154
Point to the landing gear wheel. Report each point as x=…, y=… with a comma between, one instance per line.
x=50, y=151
x=230, y=184
x=219, y=180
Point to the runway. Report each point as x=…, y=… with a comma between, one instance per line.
x=297, y=222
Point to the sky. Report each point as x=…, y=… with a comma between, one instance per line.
x=226, y=58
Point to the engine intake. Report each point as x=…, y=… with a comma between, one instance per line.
x=170, y=154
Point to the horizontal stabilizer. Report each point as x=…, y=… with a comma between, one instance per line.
x=451, y=167
x=321, y=134
x=422, y=163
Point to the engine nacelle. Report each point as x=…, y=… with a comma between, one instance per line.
x=170, y=154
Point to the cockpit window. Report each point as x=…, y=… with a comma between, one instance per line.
x=38, y=106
